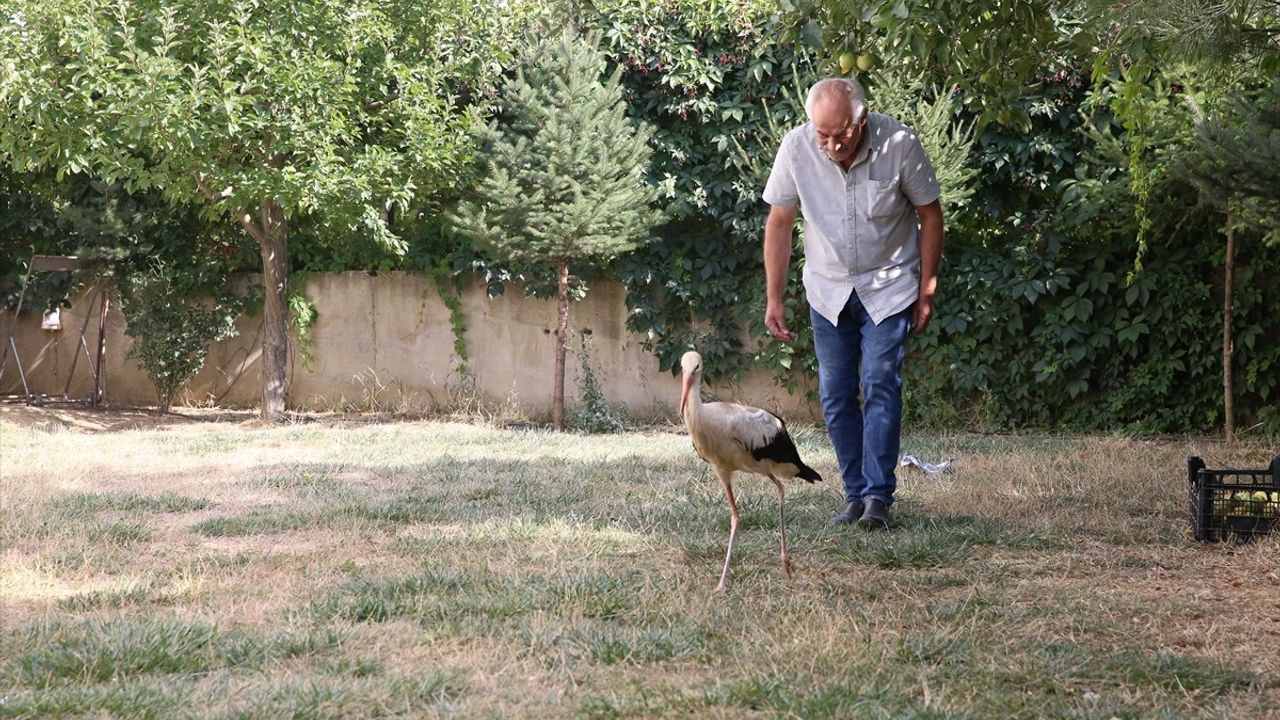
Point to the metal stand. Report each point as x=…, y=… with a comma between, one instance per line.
x=99, y=296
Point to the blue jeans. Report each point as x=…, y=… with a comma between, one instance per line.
x=866, y=436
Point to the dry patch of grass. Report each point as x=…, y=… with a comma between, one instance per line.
x=212, y=568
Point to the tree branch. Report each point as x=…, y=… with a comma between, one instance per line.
x=241, y=214
x=246, y=219
x=205, y=189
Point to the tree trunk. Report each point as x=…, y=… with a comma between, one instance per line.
x=562, y=330
x=1228, y=403
x=271, y=232
x=273, y=242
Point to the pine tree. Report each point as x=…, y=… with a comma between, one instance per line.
x=1237, y=165
x=565, y=177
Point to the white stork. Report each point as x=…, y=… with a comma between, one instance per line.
x=735, y=437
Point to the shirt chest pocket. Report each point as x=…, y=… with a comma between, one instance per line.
x=884, y=198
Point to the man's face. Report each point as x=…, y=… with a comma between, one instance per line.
x=838, y=134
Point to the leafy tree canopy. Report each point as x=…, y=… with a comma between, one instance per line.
x=340, y=109
x=988, y=50
x=265, y=110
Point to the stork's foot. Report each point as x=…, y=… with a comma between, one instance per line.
x=786, y=567
x=720, y=588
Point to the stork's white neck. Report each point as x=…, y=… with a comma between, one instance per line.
x=693, y=404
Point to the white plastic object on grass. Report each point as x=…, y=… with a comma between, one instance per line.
x=932, y=469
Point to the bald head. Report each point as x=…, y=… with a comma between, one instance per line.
x=837, y=110
x=840, y=91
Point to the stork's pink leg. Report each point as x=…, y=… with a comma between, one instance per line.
x=782, y=522
x=726, y=478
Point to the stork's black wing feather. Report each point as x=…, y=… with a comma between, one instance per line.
x=781, y=449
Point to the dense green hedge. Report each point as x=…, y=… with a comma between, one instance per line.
x=1062, y=340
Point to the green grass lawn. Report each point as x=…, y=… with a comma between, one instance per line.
x=215, y=568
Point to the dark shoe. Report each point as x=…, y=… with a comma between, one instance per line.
x=849, y=515
x=875, y=516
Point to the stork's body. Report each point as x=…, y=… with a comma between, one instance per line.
x=734, y=438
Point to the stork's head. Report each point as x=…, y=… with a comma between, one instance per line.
x=691, y=364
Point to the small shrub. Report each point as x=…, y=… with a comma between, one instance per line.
x=173, y=326
x=597, y=414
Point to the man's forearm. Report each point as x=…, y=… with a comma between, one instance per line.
x=777, y=253
x=930, y=248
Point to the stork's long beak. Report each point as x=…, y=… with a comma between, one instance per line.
x=685, y=386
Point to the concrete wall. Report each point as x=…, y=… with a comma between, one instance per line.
x=385, y=341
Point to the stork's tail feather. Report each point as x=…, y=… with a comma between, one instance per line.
x=808, y=474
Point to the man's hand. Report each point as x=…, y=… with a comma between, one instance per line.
x=775, y=318
x=922, y=315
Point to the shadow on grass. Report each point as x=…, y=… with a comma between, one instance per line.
x=619, y=494
x=677, y=503
x=1027, y=681
x=928, y=541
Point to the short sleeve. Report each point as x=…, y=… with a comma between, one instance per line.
x=781, y=186
x=919, y=182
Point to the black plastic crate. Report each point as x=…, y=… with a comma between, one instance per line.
x=1235, y=505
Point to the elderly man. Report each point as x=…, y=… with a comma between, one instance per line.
x=872, y=243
